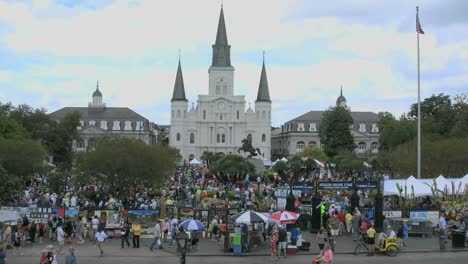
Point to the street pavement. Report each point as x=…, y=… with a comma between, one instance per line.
x=414, y=258
x=209, y=251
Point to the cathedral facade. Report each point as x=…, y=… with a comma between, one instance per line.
x=220, y=121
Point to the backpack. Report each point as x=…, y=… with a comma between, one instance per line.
x=164, y=228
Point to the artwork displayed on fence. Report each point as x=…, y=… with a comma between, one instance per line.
x=113, y=219
x=392, y=214
x=185, y=213
x=283, y=193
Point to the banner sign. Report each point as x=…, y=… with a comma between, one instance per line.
x=305, y=187
x=143, y=212
x=335, y=186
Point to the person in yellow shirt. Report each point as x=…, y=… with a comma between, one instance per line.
x=348, y=222
x=371, y=239
x=136, y=228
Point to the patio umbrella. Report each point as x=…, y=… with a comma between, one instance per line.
x=248, y=217
x=192, y=224
x=284, y=217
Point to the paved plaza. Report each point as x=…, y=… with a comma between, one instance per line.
x=212, y=251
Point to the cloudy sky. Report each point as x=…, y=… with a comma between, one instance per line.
x=52, y=52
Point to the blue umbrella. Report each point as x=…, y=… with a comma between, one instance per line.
x=192, y=224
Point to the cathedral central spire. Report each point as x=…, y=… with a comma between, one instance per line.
x=221, y=48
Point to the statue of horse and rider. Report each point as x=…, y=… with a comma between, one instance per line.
x=247, y=147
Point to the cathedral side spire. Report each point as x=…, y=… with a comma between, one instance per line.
x=221, y=48
x=263, y=91
x=179, y=89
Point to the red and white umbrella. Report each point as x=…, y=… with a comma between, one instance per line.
x=284, y=217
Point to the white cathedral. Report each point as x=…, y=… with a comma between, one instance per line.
x=220, y=120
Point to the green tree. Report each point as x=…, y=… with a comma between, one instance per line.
x=60, y=139
x=396, y=132
x=437, y=115
x=120, y=163
x=231, y=166
x=22, y=158
x=384, y=119
x=460, y=110
x=9, y=186
x=211, y=158
x=334, y=131
x=348, y=163
x=36, y=121
x=446, y=156
x=9, y=128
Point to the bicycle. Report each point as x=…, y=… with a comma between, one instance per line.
x=360, y=245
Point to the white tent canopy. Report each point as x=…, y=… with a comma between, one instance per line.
x=420, y=189
x=390, y=186
x=195, y=162
x=284, y=159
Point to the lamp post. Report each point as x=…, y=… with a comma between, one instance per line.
x=182, y=237
x=378, y=208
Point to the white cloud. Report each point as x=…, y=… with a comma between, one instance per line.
x=153, y=29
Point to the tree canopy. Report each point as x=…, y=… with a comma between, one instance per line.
x=231, y=166
x=334, y=132
x=120, y=163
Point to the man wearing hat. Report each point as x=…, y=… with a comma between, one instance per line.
x=383, y=236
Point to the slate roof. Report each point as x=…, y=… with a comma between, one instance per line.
x=263, y=91
x=221, y=48
x=108, y=113
x=357, y=116
x=179, y=89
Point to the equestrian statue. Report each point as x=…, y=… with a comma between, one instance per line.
x=247, y=147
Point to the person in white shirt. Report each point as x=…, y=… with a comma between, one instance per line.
x=442, y=224
x=100, y=237
x=157, y=235
x=94, y=225
x=60, y=238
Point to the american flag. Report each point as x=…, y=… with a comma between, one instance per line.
x=418, y=25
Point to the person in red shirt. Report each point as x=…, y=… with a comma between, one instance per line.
x=341, y=217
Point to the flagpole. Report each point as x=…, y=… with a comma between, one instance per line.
x=419, y=108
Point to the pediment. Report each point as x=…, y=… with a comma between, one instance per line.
x=93, y=130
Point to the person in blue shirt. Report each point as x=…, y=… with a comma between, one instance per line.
x=294, y=233
x=405, y=232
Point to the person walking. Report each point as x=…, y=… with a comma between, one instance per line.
x=51, y=257
x=124, y=232
x=41, y=226
x=173, y=231
x=157, y=236
x=370, y=240
x=71, y=258
x=349, y=225
x=100, y=237
x=60, y=238
x=356, y=223
x=136, y=228
x=16, y=242
x=322, y=238
x=79, y=226
x=94, y=227
x=44, y=259
x=32, y=231
x=273, y=241
x=3, y=256
x=282, y=241
x=405, y=232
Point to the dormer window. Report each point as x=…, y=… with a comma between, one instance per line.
x=375, y=128
x=92, y=123
x=351, y=127
x=362, y=127
x=313, y=127
x=300, y=127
